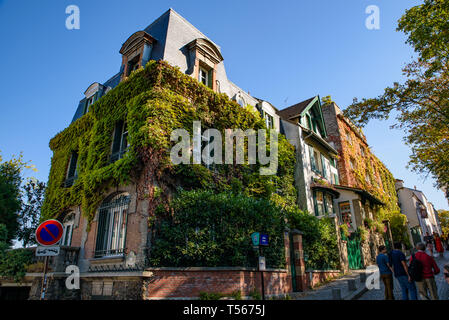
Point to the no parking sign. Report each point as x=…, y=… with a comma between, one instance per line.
x=49, y=232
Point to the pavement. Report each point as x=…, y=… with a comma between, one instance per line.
x=339, y=286
x=442, y=285
x=339, y=289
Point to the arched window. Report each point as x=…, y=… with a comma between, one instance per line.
x=68, y=223
x=112, y=221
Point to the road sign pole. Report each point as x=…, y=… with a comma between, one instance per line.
x=261, y=276
x=44, y=280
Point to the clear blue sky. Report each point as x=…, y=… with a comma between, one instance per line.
x=281, y=51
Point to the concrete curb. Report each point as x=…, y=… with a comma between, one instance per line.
x=357, y=294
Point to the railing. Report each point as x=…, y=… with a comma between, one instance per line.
x=109, y=253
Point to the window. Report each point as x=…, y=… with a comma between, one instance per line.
x=348, y=137
x=133, y=64
x=90, y=101
x=345, y=212
x=336, y=180
x=367, y=177
x=203, y=77
x=269, y=121
x=120, y=142
x=68, y=223
x=319, y=203
x=102, y=290
x=329, y=204
x=362, y=151
x=352, y=163
x=323, y=166
x=112, y=220
x=315, y=160
x=72, y=172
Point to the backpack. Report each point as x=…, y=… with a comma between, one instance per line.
x=415, y=269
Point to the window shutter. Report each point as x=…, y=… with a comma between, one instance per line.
x=117, y=136
x=312, y=158
x=323, y=166
x=209, y=78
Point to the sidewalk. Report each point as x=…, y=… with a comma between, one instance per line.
x=443, y=287
x=325, y=292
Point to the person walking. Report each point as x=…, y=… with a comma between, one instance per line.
x=429, y=270
x=446, y=273
x=386, y=272
x=438, y=244
x=429, y=242
x=400, y=270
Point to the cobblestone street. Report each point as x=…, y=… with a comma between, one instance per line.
x=443, y=287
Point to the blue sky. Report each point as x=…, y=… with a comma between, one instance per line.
x=281, y=51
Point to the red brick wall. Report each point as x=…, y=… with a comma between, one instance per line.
x=189, y=284
x=319, y=277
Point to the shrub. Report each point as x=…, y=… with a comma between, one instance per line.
x=319, y=238
x=209, y=230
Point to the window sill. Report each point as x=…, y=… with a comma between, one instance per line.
x=107, y=259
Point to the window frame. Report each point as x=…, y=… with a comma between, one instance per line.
x=111, y=232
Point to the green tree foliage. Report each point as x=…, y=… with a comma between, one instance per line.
x=30, y=212
x=10, y=193
x=421, y=103
x=443, y=215
x=319, y=238
x=398, y=225
x=13, y=263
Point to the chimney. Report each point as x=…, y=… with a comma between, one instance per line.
x=415, y=187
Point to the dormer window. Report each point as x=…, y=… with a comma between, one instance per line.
x=136, y=52
x=134, y=64
x=269, y=121
x=203, y=77
x=120, y=142
x=90, y=101
x=72, y=171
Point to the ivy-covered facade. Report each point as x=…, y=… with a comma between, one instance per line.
x=128, y=209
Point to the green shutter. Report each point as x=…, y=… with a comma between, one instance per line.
x=209, y=78
x=102, y=232
x=312, y=158
x=323, y=162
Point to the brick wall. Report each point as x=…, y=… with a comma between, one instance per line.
x=316, y=277
x=190, y=283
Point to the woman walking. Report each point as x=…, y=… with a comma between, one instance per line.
x=438, y=244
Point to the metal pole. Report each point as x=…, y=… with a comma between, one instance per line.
x=44, y=280
x=261, y=277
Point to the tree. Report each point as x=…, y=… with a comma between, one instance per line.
x=13, y=263
x=31, y=211
x=443, y=215
x=421, y=103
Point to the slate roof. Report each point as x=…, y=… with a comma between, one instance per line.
x=295, y=110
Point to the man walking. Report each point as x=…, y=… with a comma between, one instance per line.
x=429, y=270
x=386, y=272
x=400, y=269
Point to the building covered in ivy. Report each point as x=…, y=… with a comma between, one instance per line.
x=139, y=227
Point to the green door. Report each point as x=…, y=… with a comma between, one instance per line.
x=416, y=235
x=354, y=252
